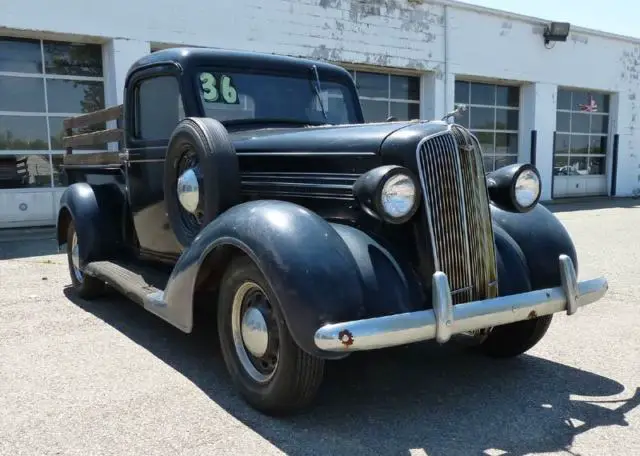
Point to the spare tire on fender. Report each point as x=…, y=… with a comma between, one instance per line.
x=202, y=162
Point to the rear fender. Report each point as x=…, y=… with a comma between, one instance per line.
x=320, y=272
x=96, y=213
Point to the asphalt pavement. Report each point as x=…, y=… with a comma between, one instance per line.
x=107, y=378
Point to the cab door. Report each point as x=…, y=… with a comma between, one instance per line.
x=154, y=108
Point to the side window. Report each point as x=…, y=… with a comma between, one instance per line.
x=159, y=107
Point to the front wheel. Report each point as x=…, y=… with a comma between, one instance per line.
x=272, y=373
x=86, y=287
x=514, y=339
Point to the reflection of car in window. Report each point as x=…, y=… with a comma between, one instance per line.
x=14, y=172
x=309, y=232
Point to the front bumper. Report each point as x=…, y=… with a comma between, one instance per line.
x=445, y=319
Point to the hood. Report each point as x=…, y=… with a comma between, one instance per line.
x=354, y=138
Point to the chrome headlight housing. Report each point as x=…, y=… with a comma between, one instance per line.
x=515, y=187
x=389, y=193
x=527, y=188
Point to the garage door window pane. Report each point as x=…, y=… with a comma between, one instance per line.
x=73, y=59
x=24, y=171
x=482, y=118
x=560, y=166
x=404, y=87
x=599, y=124
x=579, y=144
x=597, y=165
x=23, y=133
x=579, y=122
x=405, y=111
x=373, y=85
x=563, y=122
x=375, y=111
x=562, y=144
x=67, y=96
x=21, y=94
x=20, y=56
x=506, y=143
x=564, y=99
x=507, y=119
x=483, y=94
x=462, y=92
x=508, y=96
x=598, y=145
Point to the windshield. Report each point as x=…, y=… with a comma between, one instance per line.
x=236, y=97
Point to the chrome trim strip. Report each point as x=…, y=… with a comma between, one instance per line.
x=445, y=319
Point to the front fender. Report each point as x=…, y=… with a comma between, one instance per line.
x=320, y=272
x=96, y=216
x=542, y=239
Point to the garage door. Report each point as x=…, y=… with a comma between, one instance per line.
x=41, y=83
x=581, y=144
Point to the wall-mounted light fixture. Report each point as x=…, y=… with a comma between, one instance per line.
x=556, y=31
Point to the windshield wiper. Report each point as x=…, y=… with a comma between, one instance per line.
x=317, y=90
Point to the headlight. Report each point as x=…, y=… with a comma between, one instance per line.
x=388, y=193
x=398, y=196
x=515, y=187
x=527, y=188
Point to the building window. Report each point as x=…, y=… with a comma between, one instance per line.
x=582, y=132
x=384, y=95
x=493, y=116
x=42, y=83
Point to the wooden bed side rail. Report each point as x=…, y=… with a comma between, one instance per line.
x=97, y=137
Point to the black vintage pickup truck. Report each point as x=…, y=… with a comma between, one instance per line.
x=250, y=184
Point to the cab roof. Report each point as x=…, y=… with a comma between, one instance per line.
x=187, y=57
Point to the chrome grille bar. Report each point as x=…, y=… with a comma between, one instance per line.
x=457, y=206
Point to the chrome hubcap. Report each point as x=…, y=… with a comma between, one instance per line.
x=189, y=190
x=75, y=258
x=255, y=332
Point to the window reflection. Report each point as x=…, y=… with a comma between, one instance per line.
x=23, y=133
x=71, y=96
x=24, y=171
x=56, y=128
x=21, y=94
x=73, y=59
x=20, y=55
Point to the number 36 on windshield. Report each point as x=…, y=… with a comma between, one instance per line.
x=218, y=90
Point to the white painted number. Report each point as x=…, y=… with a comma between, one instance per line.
x=211, y=93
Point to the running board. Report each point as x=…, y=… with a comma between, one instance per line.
x=143, y=285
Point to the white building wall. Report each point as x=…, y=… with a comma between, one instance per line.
x=440, y=40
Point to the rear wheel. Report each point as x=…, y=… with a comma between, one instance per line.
x=514, y=339
x=272, y=373
x=86, y=287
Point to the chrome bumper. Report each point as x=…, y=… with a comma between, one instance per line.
x=445, y=319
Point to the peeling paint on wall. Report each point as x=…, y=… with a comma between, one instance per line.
x=579, y=38
x=506, y=28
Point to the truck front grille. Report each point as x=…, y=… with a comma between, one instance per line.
x=457, y=209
